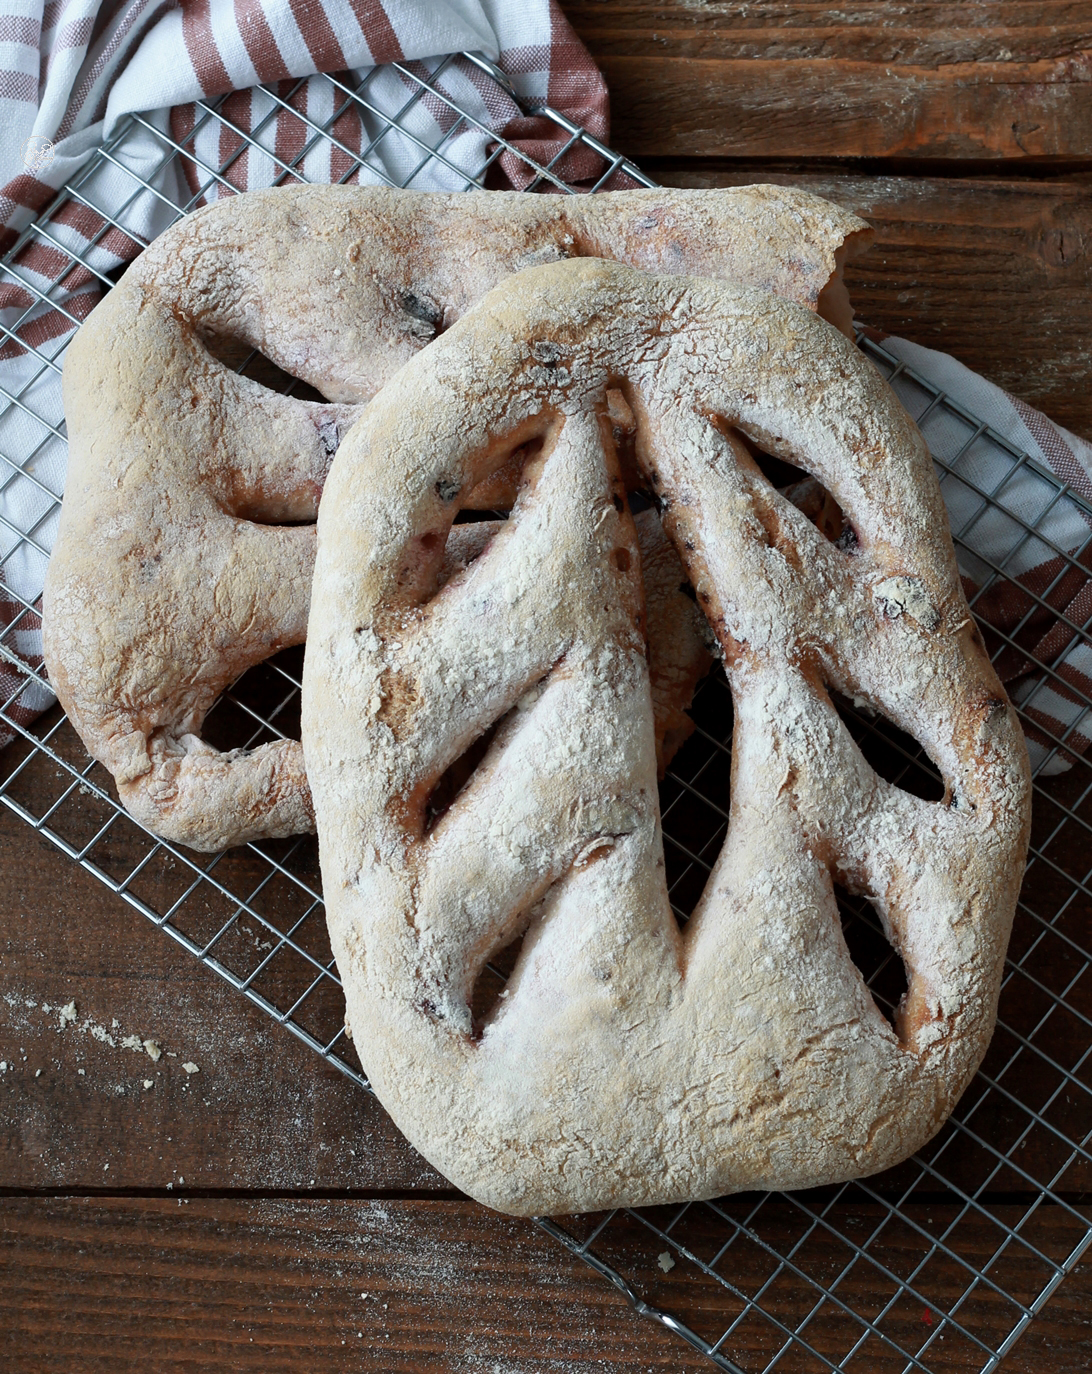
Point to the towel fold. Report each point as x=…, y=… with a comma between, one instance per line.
x=72, y=72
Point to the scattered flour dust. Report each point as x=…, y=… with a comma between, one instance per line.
x=69, y=1015
x=487, y=1364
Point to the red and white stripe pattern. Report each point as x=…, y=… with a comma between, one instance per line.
x=71, y=69
x=1030, y=588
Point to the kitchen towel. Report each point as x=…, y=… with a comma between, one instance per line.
x=72, y=70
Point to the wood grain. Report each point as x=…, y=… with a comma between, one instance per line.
x=118, y=1284
x=291, y=1285
x=263, y=1111
x=997, y=273
x=964, y=132
x=916, y=33
x=983, y=82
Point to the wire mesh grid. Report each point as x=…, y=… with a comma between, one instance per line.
x=939, y=1264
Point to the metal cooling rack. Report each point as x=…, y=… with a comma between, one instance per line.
x=937, y=1265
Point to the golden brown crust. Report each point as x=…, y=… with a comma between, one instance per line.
x=174, y=570
x=630, y=1063
x=679, y=639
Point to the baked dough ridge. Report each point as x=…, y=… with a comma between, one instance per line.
x=629, y=1062
x=185, y=548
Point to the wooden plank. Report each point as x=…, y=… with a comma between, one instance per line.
x=997, y=273
x=902, y=1274
x=918, y=32
x=276, y=1284
x=279, y=1285
x=993, y=82
x=263, y=1111
x=985, y=112
x=266, y=1113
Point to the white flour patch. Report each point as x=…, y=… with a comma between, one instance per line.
x=69, y=1018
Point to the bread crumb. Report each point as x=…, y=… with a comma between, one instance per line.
x=189, y=1067
x=68, y=1013
x=665, y=1261
x=148, y=1084
x=37, y=1073
x=82, y=1073
x=153, y=1051
x=133, y=1042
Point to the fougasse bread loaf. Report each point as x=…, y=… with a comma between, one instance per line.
x=630, y=1062
x=186, y=539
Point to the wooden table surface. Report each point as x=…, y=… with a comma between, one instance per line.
x=262, y=1214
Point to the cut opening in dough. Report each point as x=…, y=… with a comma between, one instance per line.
x=695, y=795
x=249, y=362
x=496, y=495
x=891, y=753
x=469, y=516
x=811, y=498
x=456, y=776
x=806, y=493
x=260, y=706
x=490, y=987
x=877, y=961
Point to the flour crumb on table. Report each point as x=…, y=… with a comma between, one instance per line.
x=665, y=1261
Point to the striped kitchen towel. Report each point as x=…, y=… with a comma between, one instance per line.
x=72, y=69
x=1023, y=544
